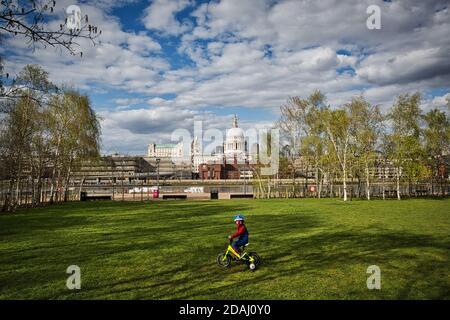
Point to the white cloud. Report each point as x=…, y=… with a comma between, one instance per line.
x=120, y=60
x=137, y=128
x=125, y=103
x=401, y=67
x=142, y=43
x=251, y=54
x=160, y=15
x=437, y=102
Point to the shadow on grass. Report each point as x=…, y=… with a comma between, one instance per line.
x=426, y=277
x=176, y=244
x=395, y=251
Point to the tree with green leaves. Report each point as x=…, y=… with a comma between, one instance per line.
x=290, y=132
x=22, y=127
x=366, y=130
x=42, y=129
x=339, y=124
x=75, y=132
x=331, y=166
x=301, y=120
x=82, y=141
x=436, y=140
x=405, y=145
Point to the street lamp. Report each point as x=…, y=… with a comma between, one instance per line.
x=158, y=160
x=245, y=181
x=182, y=167
x=123, y=178
x=148, y=180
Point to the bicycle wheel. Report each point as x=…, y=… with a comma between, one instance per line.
x=257, y=259
x=223, y=260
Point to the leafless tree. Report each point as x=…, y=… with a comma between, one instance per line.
x=29, y=21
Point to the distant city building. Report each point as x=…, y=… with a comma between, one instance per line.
x=218, y=150
x=220, y=171
x=112, y=169
x=167, y=150
x=235, y=146
x=234, y=149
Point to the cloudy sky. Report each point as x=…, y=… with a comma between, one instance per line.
x=164, y=64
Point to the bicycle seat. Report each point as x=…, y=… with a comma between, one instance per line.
x=243, y=247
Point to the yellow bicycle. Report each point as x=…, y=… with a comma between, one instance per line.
x=250, y=258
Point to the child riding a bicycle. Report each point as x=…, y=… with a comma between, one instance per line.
x=241, y=232
x=233, y=251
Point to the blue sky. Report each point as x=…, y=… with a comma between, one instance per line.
x=163, y=64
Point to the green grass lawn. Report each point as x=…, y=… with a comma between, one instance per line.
x=310, y=249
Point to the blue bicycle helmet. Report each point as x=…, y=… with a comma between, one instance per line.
x=238, y=217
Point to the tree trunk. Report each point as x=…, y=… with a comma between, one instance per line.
x=306, y=182
x=7, y=201
x=352, y=189
x=15, y=199
x=33, y=191
x=367, y=182
x=317, y=182
x=52, y=182
x=55, y=164
x=58, y=186
x=432, y=184
x=344, y=182
x=383, y=180
x=66, y=187
x=398, y=183
x=9, y=196
x=331, y=187
x=81, y=187
x=443, y=187
x=293, y=184
x=37, y=199
x=319, y=191
x=359, y=186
